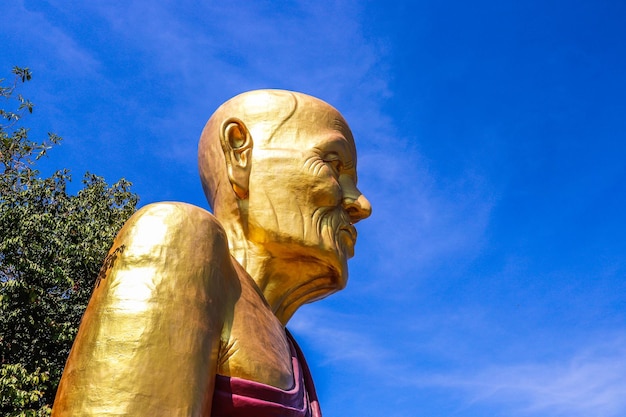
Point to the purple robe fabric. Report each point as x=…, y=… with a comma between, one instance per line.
x=237, y=397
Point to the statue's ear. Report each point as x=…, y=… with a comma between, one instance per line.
x=237, y=147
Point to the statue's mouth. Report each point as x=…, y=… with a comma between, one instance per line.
x=351, y=230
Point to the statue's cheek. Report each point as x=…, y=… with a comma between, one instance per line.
x=325, y=193
x=315, y=186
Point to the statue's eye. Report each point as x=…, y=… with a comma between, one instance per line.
x=334, y=161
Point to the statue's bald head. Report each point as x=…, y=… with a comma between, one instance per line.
x=258, y=116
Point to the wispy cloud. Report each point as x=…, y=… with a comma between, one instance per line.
x=204, y=54
x=417, y=223
x=592, y=382
x=345, y=342
x=44, y=39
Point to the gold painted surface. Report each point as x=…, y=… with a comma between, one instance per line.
x=184, y=295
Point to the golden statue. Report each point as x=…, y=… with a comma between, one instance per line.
x=189, y=311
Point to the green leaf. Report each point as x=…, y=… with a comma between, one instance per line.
x=52, y=247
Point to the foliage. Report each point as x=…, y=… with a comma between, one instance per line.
x=51, y=247
x=23, y=390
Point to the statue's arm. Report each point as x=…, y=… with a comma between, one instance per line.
x=148, y=342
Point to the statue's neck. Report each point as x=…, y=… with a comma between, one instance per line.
x=273, y=283
x=286, y=283
x=287, y=280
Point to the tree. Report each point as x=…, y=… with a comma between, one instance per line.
x=52, y=245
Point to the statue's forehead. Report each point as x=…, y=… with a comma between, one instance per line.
x=311, y=124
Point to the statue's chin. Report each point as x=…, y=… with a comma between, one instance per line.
x=322, y=266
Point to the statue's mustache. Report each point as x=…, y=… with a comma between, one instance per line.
x=333, y=222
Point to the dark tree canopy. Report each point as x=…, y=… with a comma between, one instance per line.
x=52, y=245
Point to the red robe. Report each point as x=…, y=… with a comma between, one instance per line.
x=237, y=397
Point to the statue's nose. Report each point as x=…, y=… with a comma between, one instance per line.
x=358, y=209
x=356, y=205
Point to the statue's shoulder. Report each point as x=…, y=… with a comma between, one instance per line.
x=174, y=243
x=174, y=210
x=178, y=226
x=173, y=216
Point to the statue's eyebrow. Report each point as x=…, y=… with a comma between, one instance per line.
x=341, y=146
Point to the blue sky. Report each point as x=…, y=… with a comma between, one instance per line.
x=489, y=280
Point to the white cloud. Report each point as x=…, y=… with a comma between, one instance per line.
x=206, y=53
x=417, y=223
x=43, y=39
x=590, y=383
x=341, y=338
